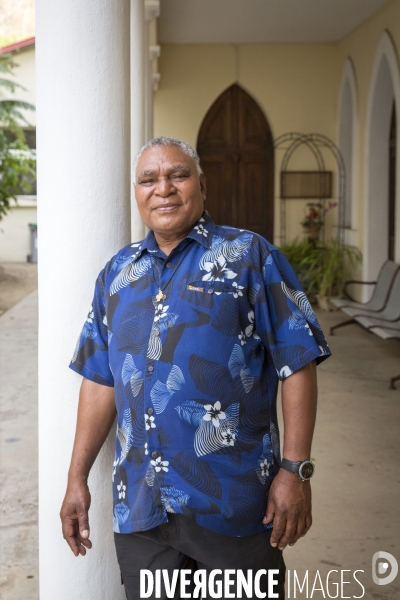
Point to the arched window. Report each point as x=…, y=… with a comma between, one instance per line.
x=347, y=142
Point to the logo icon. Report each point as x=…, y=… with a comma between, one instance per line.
x=381, y=567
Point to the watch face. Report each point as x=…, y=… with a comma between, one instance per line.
x=307, y=470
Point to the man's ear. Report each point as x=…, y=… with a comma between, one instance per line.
x=203, y=185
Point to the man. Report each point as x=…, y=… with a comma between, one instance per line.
x=189, y=332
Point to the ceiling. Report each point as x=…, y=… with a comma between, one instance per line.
x=261, y=21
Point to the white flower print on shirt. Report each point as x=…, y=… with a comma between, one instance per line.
x=218, y=270
x=237, y=291
x=242, y=338
x=149, y=422
x=214, y=413
x=121, y=490
x=160, y=464
x=286, y=371
x=201, y=230
x=228, y=438
x=264, y=466
x=161, y=312
x=251, y=329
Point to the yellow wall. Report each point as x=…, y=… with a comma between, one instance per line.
x=191, y=79
x=297, y=86
x=361, y=47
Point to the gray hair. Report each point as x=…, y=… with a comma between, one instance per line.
x=168, y=141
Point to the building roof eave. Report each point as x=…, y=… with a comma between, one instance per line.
x=17, y=45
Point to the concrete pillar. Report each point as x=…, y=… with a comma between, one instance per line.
x=138, y=101
x=83, y=124
x=152, y=11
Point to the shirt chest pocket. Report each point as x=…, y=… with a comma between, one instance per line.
x=214, y=287
x=229, y=305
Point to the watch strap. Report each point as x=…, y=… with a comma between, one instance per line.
x=292, y=466
x=299, y=468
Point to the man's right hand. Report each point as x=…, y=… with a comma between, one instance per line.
x=96, y=414
x=75, y=518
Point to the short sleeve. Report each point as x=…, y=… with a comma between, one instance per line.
x=285, y=320
x=90, y=357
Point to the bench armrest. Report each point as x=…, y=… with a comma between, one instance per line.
x=350, y=282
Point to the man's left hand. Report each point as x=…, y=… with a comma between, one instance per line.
x=289, y=507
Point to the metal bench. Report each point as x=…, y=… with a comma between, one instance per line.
x=385, y=330
x=378, y=305
x=385, y=323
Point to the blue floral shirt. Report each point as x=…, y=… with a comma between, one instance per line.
x=194, y=345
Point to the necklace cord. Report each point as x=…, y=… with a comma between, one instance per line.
x=162, y=289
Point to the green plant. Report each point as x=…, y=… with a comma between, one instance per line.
x=299, y=253
x=329, y=266
x=16, y=159
x=322, y=268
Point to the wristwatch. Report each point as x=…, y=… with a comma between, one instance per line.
x=304, y=468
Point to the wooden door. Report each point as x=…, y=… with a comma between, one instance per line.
x=237, y=155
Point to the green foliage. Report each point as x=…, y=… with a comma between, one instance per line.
x=298, y=253
x=322, y=268
x=17, y=163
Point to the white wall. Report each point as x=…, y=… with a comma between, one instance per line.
x=14, y=230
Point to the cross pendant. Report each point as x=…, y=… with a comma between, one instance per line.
x=160, y=296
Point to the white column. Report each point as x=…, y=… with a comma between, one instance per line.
x=138, y=100
x=148, y=131
x=83, y=124
x=152, y=11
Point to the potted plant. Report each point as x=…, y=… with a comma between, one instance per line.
x=299, y=252
x=322, y=268
x=328, y=267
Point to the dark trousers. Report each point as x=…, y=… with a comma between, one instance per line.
x=182, y=544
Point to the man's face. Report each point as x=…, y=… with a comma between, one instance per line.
x=169, y=191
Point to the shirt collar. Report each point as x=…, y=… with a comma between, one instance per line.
x=202, y=233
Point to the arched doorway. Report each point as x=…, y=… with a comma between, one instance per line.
x=237, y=155
x=382, y=222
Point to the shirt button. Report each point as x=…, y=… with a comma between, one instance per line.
x=168, y=265
x=150, y=369
x=150, y=411
x=210, y=291
x=156, y=333
x=154, y=455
